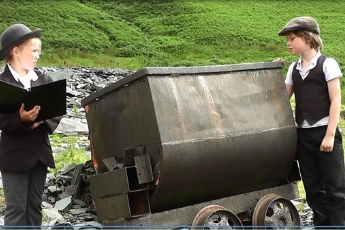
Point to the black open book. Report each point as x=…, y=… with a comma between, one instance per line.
x=50, y=96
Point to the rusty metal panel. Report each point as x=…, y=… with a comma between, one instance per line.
x=201, y=107
x=112, y=164
x=131, y=153
x=116, y=182
x=144, y=169
x=122, y=206
x=139, y=203
x=133, y=180
x=109, y=183
x=234, y=165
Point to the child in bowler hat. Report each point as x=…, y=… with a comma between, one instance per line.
x=25, y=151
x=314, y=79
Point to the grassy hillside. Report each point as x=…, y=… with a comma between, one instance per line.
x=133, y=33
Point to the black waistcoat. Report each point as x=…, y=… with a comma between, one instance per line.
x=311, y=94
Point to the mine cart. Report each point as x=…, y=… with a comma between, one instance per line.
x=194, y=146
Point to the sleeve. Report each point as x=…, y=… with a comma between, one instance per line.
x=331, y=69
x=10, y=123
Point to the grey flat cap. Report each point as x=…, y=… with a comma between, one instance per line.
x=300, y=23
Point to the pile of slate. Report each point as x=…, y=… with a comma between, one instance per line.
x=81, y=82
x=67, y=200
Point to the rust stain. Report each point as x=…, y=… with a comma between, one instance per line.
x=179, y=103
x=214, y=112
x=93, y=157
x=86, y=108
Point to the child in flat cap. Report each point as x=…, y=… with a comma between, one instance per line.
x=314, y=79
x=25, y=151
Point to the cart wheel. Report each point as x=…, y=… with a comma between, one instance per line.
x=275, y=211
x=214, y=216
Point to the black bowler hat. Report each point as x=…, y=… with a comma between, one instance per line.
x=14, y=36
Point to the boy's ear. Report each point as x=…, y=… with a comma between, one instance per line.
x=15, y=50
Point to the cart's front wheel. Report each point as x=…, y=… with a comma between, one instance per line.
x=215, y=216
x=275, y=211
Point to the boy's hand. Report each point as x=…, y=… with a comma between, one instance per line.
x=28, y=115
x=281, y=60
x=327, y=144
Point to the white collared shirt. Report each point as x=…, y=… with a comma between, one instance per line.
x=330, y=69
x=26, y=80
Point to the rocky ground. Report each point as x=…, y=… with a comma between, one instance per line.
x=67, y=200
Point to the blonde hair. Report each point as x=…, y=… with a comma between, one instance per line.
x=314, y=40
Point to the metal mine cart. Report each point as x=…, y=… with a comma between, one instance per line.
x=194, y=146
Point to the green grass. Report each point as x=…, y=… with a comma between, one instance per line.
x=72, y=154
x=133, y=34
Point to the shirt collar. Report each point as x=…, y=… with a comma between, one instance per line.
x=31, y=74
x=313, y=61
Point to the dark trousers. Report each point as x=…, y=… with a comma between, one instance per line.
x=323, y=176
x=23, y=196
